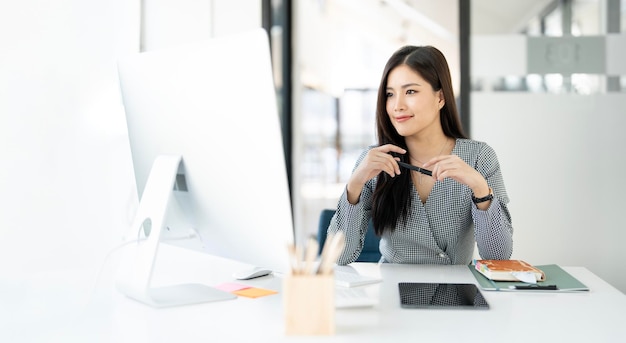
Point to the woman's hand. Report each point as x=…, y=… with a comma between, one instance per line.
x=455, y=168
x=377, y=160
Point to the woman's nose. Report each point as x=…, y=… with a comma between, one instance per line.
x=399, y=104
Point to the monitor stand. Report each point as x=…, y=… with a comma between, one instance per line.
x=136, y=268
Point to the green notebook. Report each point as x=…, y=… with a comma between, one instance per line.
x=563, y=281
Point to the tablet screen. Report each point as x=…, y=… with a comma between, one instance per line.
x=441, y=295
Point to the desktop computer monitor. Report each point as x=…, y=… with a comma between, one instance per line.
x=208, y=159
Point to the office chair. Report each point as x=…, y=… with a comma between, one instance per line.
x=370, y=252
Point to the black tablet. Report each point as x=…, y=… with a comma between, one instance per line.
x=441, y=295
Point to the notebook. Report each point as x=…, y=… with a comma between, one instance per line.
x=555, y=276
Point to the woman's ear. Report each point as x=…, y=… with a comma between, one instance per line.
x=442, y=100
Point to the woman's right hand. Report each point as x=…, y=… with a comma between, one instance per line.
x=375, y=161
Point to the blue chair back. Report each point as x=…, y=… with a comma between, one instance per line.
x=370, y=252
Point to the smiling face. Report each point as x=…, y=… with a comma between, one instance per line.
x=412, y=104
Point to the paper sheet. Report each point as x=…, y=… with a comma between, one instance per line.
x=528, y=277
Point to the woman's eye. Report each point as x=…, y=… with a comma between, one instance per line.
x=389, y=95
x=411, y=91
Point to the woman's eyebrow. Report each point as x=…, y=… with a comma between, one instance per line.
x=407, y=85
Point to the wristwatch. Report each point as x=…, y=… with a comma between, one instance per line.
x=483, y=199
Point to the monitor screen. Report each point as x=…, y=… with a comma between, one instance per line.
x=213, y=105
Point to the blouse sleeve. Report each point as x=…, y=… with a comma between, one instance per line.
x=493, y=228
x=353, y=220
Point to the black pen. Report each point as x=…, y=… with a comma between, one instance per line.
x=536, y=287
x=417, y=169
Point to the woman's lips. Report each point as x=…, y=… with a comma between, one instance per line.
x=403, y=118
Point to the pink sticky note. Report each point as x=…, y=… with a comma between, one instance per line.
x=231, y=287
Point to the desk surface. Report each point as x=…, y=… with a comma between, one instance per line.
x=108, y=316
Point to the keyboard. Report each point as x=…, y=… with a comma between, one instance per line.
x=349, y=279
x=353, y=297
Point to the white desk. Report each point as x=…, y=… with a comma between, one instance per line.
x=108, y=316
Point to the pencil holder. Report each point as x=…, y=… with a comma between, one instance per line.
x=309, y=304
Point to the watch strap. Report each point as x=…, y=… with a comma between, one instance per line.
x=483, y=199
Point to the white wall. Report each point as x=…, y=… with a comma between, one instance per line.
x=563, y=163
x=66, y=177
x=67, y=192
x=167, y=23
x=65, y=165
x=62, y=131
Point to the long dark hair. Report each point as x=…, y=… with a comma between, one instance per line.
x=391, y=199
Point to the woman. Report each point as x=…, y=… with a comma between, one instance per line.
x=424, y=219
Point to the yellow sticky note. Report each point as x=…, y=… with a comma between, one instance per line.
x=254, y=292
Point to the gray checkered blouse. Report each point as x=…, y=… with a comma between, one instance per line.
x=444, y=229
